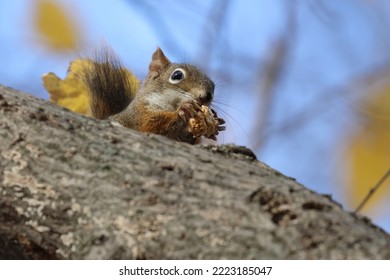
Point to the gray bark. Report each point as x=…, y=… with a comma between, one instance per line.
x=72, y=187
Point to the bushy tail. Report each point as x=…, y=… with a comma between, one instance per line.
x=111, y=86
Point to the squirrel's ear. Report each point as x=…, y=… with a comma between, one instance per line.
x=158, y=63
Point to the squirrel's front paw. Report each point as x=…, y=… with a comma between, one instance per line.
x=188, y=110
x=206, y=123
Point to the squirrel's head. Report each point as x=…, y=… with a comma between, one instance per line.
x=165, y=76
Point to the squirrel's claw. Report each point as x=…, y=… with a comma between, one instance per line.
x=197, y=106
x=187, y=111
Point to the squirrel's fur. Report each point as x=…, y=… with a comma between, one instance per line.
x=170, y=95
x=108, y=84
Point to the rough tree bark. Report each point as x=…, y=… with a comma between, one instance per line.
x=76, y=188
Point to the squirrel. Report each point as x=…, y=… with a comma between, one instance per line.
x=173, y=100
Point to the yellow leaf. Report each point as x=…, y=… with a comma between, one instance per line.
x=72, y=93
x=55, y=26
x=367, y=156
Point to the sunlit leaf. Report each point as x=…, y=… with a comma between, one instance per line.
x=56, y=28
x=71, y=92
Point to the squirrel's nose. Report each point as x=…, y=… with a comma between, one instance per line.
x=207, y=97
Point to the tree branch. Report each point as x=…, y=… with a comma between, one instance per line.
x=78, y=188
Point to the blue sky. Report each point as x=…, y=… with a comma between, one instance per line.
x=332, y=45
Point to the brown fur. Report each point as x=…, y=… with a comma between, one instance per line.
x=108, y=84
x=159, y=107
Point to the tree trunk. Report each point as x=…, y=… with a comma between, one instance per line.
x=77, y=188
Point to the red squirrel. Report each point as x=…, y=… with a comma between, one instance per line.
x=173, y=100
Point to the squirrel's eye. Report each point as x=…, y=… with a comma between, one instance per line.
x=177, y=76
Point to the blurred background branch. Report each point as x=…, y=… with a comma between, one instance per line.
x=272, y=72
